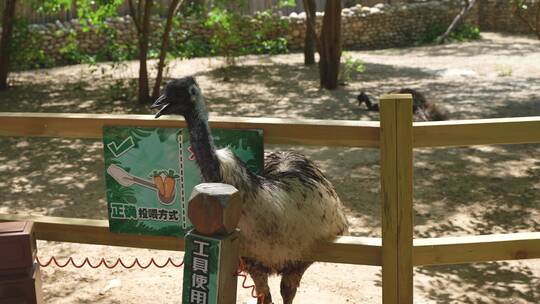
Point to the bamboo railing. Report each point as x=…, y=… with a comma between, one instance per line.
x=397, y=252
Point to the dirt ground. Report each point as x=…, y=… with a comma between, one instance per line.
x=458, y=191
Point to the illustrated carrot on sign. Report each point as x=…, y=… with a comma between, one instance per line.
x=170, y=182
x=165, y=182
x=158, y=181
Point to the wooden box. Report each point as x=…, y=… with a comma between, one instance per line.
x=21, y=288
x=20, y=280
x=18, y=243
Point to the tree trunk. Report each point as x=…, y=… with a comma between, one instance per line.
x=310, y=7
x=537, y=31
x=330, y=48
x=7, y=29
x=144, y=95
x=164, y=47
x=459, y=18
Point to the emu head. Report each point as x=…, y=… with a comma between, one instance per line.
x=368, y=100
x=362, y=97
x=181, y=96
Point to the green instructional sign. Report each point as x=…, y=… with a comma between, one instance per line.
x=150, y=173
x=201, y=266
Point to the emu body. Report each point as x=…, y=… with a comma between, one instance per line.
x=285, y=211
x=423, y=110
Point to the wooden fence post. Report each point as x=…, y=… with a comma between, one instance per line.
x=212, y=247
x=20, y=279
x=396, y=194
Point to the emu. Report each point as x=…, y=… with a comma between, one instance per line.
x=285, y=211
x=423, y=110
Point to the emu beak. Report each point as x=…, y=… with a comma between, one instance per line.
x=160, y=103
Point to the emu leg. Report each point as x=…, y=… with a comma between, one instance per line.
x=290, y=280
x=260, y=278
x=259, y=273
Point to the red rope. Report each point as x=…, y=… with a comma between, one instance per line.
x=241, y=273
x=102, y=262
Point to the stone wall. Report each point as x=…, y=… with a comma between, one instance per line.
x=380, y=26
x=383, y=26
x=496, y=16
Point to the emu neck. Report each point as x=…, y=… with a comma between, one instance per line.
x=203, y=148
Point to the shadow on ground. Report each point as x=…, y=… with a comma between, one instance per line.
x=485, y=283
x=486, y=45
x=56, y=177
x=458, y=191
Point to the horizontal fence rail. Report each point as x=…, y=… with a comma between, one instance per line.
x=345, y=133
x=477, y=248
x=346, y=249
x=276, y=131
x=350, y=250
x=519, y=130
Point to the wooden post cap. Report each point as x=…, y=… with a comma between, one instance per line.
x=214, y=208
x=17, y=246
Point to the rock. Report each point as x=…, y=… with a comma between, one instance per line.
x=114, y=283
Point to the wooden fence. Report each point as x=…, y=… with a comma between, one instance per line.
x=397, y=251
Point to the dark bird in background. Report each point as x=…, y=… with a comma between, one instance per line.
x=285, y=211
x=423, y=110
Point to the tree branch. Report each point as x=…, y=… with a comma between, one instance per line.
x=144, y=95
x=518, y=12
x=134, y=16
x=5, y=37
x=538, y=19
x=173, y=7
x=312, y=24
x=139, y=11
x=464, y=11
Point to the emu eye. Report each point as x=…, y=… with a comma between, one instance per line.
x=193, y=90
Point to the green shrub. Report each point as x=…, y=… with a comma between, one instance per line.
x=232, y=35
x=350, y=68
x=235, y=35
x=113, y=49
x=464, y=32
x=192, y=47
x=71, y=53
x=503, y=70
x=23, y=52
